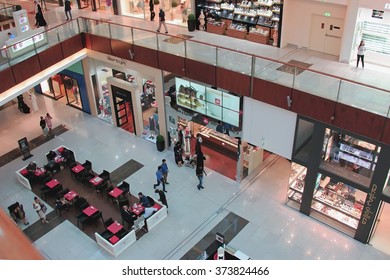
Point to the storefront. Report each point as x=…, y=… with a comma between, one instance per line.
x=125, y=97
x=67, y=86
x=193, y=110
x=176, y=11
x=338, y=178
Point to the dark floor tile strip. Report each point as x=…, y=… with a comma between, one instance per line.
x=124, y=171
x=37, y=230
x=15, y=153
x=230, y=226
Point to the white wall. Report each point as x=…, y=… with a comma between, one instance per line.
x=297, y=19
x=269, y=127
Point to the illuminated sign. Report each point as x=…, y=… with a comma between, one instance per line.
x=28, y=42
x=387, y=6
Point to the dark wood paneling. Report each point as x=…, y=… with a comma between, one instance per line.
x=171, y=63
x=121, y=49
x=359, y=121
x=312, y=106
x=271, y=93
x=87, y=41
x=233, y=81
x=145, y=56
x=72, y=45
x=200, y=71
x=386, y=133
x=50, y=56
x=100, y=44
x=26, y=69
x=7, y=80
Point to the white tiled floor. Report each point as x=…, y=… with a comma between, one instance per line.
x=275, y=231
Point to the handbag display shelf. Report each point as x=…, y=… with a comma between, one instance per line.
x=216, y=29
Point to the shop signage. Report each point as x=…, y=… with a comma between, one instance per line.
x=368, y=214
x=387, y=6
x=119, y=61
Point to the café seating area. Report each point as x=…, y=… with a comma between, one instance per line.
x=91, y=201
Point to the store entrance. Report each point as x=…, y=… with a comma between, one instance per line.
x=380, y=238
x=123, y=108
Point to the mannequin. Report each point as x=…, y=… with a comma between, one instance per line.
x=201, y=21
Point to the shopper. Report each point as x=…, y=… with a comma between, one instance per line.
x=199, y=171
x=165, y=170
x=160, y=178
x=48, y=121
x=43, y=125
x=151, y=9
x=178, y=153
x=20, y=214
x=41, y=210
x=360, y=53
x=68, y=10
x=163, y=198
x=39, y=18
x=161, y=16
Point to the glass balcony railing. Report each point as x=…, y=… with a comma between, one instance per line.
x=338, y=89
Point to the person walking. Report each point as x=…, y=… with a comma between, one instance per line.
x=151, y=9
x=39, y=18
x=199, y=171
x=48, y=121
x=178, y=153
x=163, y=198
x=43, y=125
x=161, y=16
x=41, y=210
x=160, y=178
x=165, y=170
x=68, y=10
x=20, y=214
x=360, y=53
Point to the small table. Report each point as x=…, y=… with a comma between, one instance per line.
x=70, y=195
x=115, y=227
x=90, y=210
x=59, y=159
x=52, y=183
x=115, y=192
x=138, y=209
x=39, y=171
x=78, y=168
x=96, y=181
x=114, y=239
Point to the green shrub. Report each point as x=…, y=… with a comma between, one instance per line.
x=174, y=4
x=156, y=2
x=160, y=138
x=191, y=17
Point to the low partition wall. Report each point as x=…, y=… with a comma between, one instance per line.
x=118, y=247
x=157, y=217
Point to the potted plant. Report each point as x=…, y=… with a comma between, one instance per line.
x=191, y=22
x=173, y=10
x=160, y=143
x=156, y=2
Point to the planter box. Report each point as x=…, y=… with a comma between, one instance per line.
x=216, y=29
x=236, y=33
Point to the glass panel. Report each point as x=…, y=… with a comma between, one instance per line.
x=365, y=98
x=317, y=84
x=303, y=140
x=122, y=33
x=337, y=204
x=296, y=185
x=68, y=30
x=201, y=52
x=386, y=189
x=273, y=71
x=99, y=28
x=171, y=44
x=145, y=38
x=235, y=61
x=349, y=157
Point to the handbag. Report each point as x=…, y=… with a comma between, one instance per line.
x=43, y=208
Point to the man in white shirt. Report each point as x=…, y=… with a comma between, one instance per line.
x=149, y=211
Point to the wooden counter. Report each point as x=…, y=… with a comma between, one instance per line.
x=220, y=145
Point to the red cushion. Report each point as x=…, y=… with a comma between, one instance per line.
x=157, y=206
x=24, y=172
x=60, y=149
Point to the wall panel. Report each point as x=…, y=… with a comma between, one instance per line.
x=271, y=93
x=359, y=121
x=73, y=45
x=171, y=63
x=26, y=69
x=50, y=56
x=200, y=71
x=121, y=49
x=233, y=81
x=100, y=44
x=7, y=80
x=312, y=106
x=145, y=56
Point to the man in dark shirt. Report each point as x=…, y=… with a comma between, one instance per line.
x=144, y=200
x=128, y=215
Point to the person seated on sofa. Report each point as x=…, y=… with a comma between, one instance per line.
x=149, y=211
x=128, y=215
x=32, y=167
x=51, y=155
x=144, y=200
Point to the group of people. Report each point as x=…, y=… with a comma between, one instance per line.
x=46, y=124
x=19, y=213
x=162, y=175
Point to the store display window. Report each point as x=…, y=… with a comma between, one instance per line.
x=303, y=140
x=296, y=184
x=337, y=204
x=349, y=157
x=149, y=110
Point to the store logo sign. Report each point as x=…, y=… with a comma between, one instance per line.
x=368, y=214
x=387, y=6
x=120, y=61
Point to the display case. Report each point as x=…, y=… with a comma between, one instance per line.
x=218, y=141
x=259, y=35
x=296, y=183
x=339, y=202
x=253, y=157
x=216, y=27
x=238, y=31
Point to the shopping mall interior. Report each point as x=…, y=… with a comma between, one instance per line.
x=265, y=227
